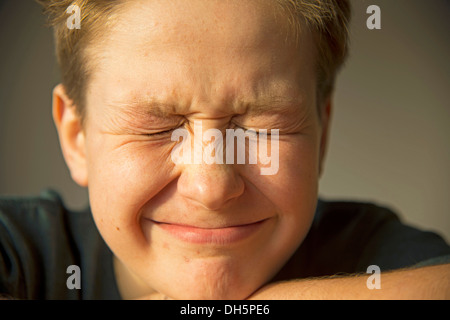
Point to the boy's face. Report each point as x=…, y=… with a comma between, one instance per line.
x=201, y=230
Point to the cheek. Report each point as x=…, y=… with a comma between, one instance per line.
x=293, y=190
x=121, y=180
x=296, y=181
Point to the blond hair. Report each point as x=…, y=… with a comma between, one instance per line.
x=327, y=19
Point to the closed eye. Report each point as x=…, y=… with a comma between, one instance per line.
x=254, y=130
x=160, y=133
x=164, y=132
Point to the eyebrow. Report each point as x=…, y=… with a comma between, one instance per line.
x=258, y=109
x=150, y=106
x=273, y=105
x=146, y=107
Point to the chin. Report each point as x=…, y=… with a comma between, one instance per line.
x=216, y=291
x=211, y=280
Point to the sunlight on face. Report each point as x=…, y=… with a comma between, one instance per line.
x=203, y=230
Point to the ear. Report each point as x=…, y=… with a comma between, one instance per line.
x=325, y=120
x=71, y=135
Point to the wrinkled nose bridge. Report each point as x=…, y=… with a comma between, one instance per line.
x=233, y=147
x=206, y=179
x=202, y=145
x=209, y=143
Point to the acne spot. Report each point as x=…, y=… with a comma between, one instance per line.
x=186, y=259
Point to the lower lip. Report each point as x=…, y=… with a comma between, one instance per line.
x=219, y=236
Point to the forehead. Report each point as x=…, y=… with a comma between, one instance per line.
x=203, y=21
x=180, y=51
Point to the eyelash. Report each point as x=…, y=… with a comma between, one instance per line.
x=162, y=133
x=257, y=131
x=159, y=133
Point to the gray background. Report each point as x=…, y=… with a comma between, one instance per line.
x=390, y=131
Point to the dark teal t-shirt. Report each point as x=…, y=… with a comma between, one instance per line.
x=40, y=239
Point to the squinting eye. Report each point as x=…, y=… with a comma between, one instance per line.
x=161, y=133
x=254, y=131
x=164, y=133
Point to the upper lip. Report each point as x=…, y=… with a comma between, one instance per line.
x=222, y=226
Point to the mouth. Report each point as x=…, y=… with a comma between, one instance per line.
x=215, y=235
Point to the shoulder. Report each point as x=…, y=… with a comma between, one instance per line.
x=36, y=246
x=350, y=214
x=39, y=222
x=40, y=239
x=31, y=214
x=353, y=235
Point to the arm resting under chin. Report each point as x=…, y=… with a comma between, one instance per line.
x=430, y=282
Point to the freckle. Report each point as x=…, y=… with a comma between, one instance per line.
x=117, y=228
x=165, y=245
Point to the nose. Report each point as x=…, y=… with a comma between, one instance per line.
x=211, y=186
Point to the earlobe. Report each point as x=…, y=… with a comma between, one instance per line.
x=71, y=135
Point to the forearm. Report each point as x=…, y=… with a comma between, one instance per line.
x=423, y=283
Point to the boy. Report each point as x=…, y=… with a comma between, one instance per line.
x=138, y=71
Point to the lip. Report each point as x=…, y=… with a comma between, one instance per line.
x=216, y=236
